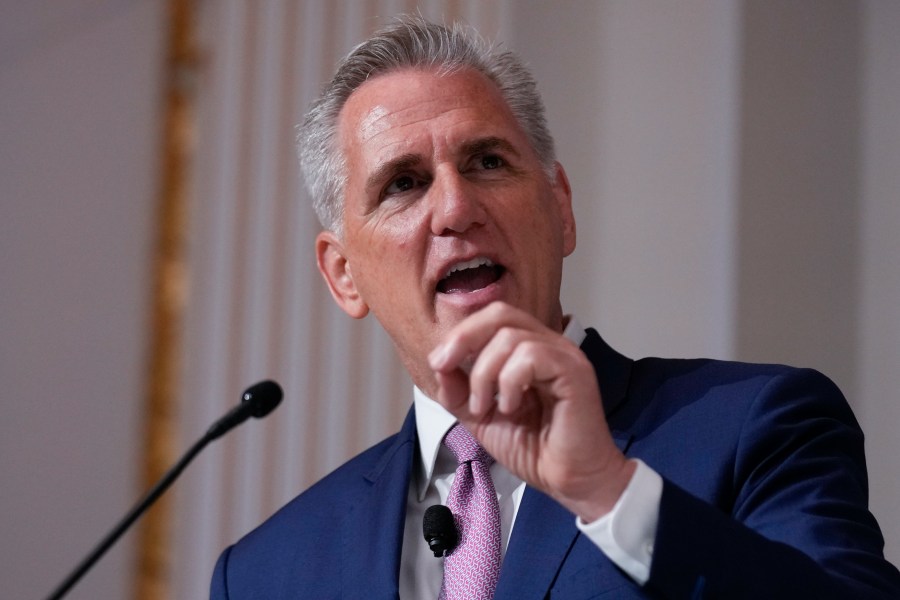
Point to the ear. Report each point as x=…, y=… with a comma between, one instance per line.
x=563, y=193
x=335, y=269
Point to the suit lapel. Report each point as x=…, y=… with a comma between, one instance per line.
x=372, y=533
x=542, y=537
x=613, y=370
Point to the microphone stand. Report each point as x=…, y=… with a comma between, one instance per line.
x=113, y=536
x=257, y=401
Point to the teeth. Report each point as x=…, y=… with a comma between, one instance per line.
x=470, y=264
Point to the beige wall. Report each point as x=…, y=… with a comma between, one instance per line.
x=878, y=270
x=736, y=184
x=79, y=100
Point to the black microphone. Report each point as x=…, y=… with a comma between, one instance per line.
x=257, y=401
x=439, y=529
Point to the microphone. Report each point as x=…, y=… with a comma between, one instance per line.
x=439, y=528
x=257, y=401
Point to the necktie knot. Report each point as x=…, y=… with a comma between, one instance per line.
x=465, y=447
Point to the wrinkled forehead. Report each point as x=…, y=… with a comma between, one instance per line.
x=391, y=106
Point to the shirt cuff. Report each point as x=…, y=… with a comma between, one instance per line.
x=626, y=534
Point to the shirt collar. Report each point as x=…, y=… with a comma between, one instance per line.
x=433, y=421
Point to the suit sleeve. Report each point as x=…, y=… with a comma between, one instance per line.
x=796, y=524
x=219, y=585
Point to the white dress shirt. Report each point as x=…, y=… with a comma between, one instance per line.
x=625, y=534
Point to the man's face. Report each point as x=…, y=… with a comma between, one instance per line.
x=446, y=209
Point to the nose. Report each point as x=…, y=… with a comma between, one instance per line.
x=456, y=206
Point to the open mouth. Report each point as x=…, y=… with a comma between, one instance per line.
x=470, y=276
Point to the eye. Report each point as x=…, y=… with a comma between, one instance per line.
x=404, y=183
x=491, y=161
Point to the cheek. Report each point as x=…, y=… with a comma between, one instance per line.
x=540, y=233
x=401, y=237
x=389, y=249
x=541, y=220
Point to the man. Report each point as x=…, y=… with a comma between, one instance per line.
x=447, y=216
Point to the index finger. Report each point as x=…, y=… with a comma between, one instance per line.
x=472, y=334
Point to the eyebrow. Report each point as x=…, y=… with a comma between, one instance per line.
x=395, y=165
x=482, y=145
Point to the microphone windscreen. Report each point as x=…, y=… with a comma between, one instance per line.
x=438, y=520
x=262, y=397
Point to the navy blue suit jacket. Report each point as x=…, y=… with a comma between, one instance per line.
x=764, y=496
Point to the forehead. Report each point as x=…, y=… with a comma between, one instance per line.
x=392, y=112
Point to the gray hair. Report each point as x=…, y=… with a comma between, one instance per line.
x=410, y=42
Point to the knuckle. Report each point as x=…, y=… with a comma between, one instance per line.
x=479, y=373
x=499, y=309
x=528, y=351
x=507, y=337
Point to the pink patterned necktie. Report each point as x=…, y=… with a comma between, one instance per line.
x=472, y=569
